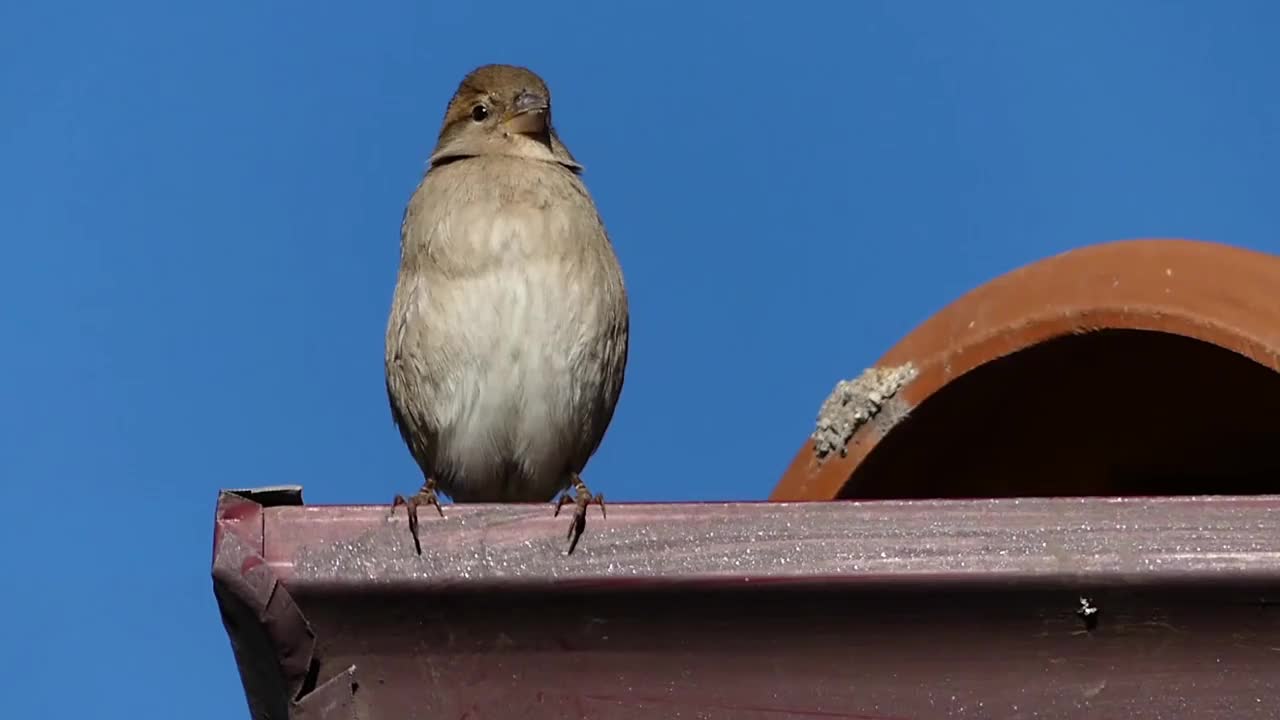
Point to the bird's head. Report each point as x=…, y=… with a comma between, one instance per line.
x=501, y=110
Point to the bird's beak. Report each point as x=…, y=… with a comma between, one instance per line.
x=528, y=114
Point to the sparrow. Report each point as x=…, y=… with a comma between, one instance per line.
x=507, y=339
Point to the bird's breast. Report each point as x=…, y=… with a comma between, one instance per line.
x=505, y=324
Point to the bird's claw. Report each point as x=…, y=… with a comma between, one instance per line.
x=581, y=498
x=426, y=496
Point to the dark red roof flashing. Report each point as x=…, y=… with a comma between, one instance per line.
x=757, y=611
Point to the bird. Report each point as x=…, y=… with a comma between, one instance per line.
x=507, y=339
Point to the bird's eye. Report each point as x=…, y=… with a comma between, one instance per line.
x=479, y=113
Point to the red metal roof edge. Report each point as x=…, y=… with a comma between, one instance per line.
x=272, y=641
x=348, y=562
x=640, y=544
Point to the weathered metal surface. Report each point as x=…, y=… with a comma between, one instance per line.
x=1035, y=608
x=1014, y=385
x=273, y=643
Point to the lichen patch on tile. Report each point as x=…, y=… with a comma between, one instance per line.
x=853, y=403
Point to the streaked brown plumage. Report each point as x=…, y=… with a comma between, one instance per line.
x=507, y=340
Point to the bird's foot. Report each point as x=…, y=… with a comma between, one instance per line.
x=581, y=498
x=426, y=496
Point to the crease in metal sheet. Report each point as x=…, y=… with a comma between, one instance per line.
x=334, y=699
x=273, y=643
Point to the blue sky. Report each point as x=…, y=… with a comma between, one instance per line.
x=200, y=208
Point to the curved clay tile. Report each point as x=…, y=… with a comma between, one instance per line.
x=1137, y=367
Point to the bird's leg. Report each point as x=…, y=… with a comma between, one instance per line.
x=581, y=498
x=426, y=496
